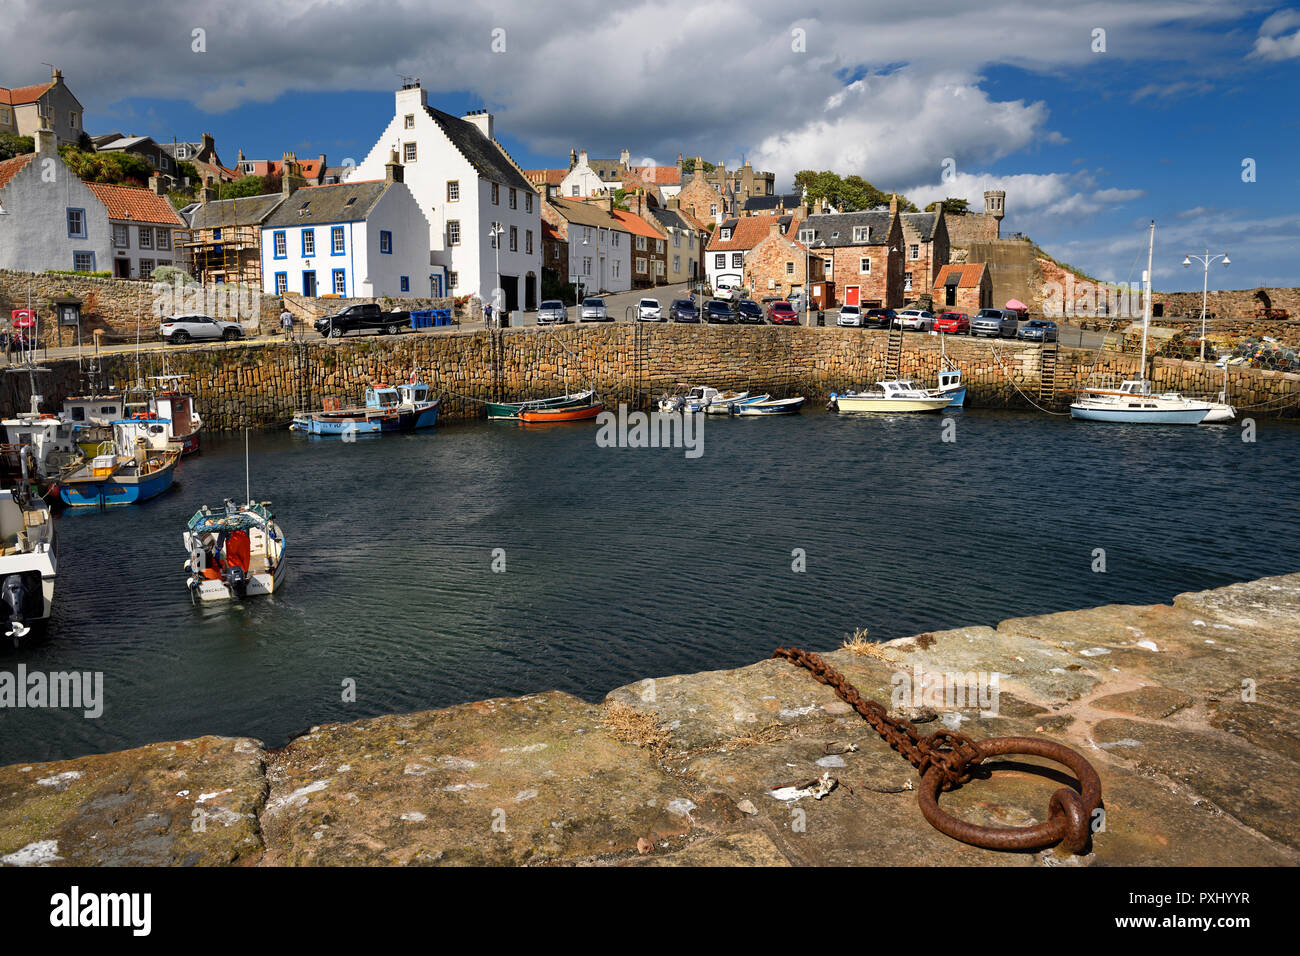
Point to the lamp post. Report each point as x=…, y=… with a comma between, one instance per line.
x=495, y=232
x=1205, y=286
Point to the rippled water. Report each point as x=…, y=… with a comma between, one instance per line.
x=624, y=564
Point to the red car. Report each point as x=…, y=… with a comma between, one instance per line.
x=782, y=313
x=955, y=323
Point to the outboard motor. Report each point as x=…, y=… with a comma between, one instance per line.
x=15, y=600
x=237, y=581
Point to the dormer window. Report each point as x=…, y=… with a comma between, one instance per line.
x=726, y=234
x=861, y=233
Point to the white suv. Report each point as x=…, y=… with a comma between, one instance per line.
x=917, y=320
x=850, y=316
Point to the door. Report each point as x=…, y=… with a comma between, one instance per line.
x=309, y=284
x=121, y=268
x=852, y=295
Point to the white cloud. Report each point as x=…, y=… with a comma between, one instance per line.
x=1273, y=43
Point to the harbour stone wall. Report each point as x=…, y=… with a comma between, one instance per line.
x=263, y=383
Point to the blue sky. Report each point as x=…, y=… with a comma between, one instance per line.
x=1090, y=144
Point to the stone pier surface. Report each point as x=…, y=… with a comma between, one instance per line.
x=1190, y=713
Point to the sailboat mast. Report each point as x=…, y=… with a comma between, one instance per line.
x=1146, y=308
x=248, y=487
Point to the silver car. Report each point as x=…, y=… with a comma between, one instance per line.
x=552, y=310
x=593, y=310
x=996, y=323
x=648, y=310
x=179, y=329
x=850, y=316
x=917, y=320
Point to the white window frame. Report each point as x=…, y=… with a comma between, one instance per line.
x=163, y=241
x=861, y=233
x=453, y=190
x=864, y=265
x=144, y=237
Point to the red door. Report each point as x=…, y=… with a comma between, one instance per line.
x=851, y=295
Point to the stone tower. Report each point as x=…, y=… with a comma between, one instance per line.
x=995, y=203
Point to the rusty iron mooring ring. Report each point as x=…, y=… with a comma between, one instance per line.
x=1069, y=813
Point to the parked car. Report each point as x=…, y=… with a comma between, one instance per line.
x=647, y=310
x=593, y=310
x=727, y=288
x=361, y=317
x=1038, y=330
x=552, y=310
x=782, y=313
x=879, y=318
x=683, y=310
x=179, y=329
x=850, y=317
x=916, y=320
x=718, y=311
x=954, y=323
x=749, y=312
x=996, y=323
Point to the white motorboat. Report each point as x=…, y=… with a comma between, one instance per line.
x=894, y=395
x=28, y=561
x=711, y=401
x=769, y=406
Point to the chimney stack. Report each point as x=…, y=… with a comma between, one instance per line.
x=393, y=171
x=893, y=205
x=624, y=158
x=290, y=174
x=156, y=185
x=47, y=143
x=482, y=119
x=207, y=194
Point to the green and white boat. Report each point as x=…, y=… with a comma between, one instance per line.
x=509, y=411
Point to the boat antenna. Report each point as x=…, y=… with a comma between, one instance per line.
x=1146, y=308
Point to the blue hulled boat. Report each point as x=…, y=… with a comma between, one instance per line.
x=387, y=408
x=141, y=466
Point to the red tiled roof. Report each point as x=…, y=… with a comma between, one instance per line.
x=969, y=274
x=551, y=177
x=135, y=204
x=659, y=175
x=311, y=168
x=748, y=232
x=24, y=94
x=11, y=167
x=550, y=232
x=636, y=225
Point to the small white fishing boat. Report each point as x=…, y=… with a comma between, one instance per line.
x=894, y=395
x=28, y=561
x=711, y=401
x=769, y=406
x=950, y=387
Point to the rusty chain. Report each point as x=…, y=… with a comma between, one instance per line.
x=946, y=759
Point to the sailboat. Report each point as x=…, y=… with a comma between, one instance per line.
x=235, y=552
x=1136, y=403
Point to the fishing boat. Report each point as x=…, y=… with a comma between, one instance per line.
x=41, y=441
x=91, y=418
x=1136, y=403
x=28, y=561
x=894, y=395
x=950, y=387
x=235, y=553
x=547, y=416
x=509, y=411
x=711, y=401
x=387, y=408
x=769, y=406
x=169, y=402
x=141, y=466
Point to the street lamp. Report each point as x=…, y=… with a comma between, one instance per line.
x=495, y=232
x=1205, y=286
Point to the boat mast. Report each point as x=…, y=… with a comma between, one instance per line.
x=1146, y=308
x=248, y=488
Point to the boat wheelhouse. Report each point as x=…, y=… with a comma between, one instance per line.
x=387, y=408
x=141, y=466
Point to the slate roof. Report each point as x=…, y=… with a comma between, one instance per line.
x=12, y=167
x=135, y=204
x=483, y=154
x=122, y=142
x=826, y=225
x=586, y=214
x=244, y=211
x=922, y=222
x=328, y=204
x=672, y=219
x=767, y=203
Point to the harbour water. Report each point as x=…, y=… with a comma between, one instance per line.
x=621, y=564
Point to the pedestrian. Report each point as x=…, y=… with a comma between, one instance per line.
x=286, y=322
x=487, y=313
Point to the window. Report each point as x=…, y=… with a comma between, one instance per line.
x=677, y=240
x=83, y=262
x=514, y=239
x=573, y=190
x=164, y=262
x=640, y=265
x=726, y=234
x=907, y=282
x=864, y=265
x=182, y=152
x=528, y=202
x=614, y=239
x=453, y=280
x=496, y=194
x=146, y=268
x=308, y=243
x=677, y=263
x=453, y=190
x=4, y=115
x=145, y=236
x=408, y=153
x=72, y=119
x=281, y=283
x=514, y=198
x=713, y=209
x=720, y=261
x=528, y=242
x=806, y=235
x=121, y=237
x=216, y=235
x=861, y=233
x=336, y=241
x=586, y=265
x=789, y=268
x=405, y=283
x=340, y=282
x=616, y=268
x=76, y=224
x=737, y=260
x=280, y=246
x=453, y=232
x=640, y=243
x=385, y=242
x=164, y=238
x=586, y=233
x=914, y=252
x=658, y=267
x=659, y=246
x=408, y=121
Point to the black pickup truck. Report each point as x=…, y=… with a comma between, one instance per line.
x=367, y=315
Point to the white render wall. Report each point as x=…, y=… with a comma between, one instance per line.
x=34, y=229
x=728, y=270
x=132, y=253
x=437, y=162
x=611, y=264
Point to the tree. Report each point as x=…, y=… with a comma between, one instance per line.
x=12, y=145
x=243, y=186
x=848, y=194
x=688, y=166
x=951, y=205
x=118, y=169
x=620, y=200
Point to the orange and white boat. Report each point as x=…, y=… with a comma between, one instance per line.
x=545, y=416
